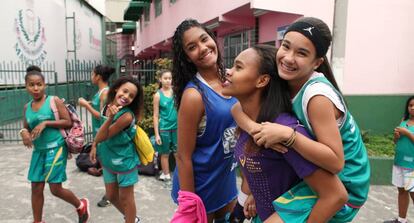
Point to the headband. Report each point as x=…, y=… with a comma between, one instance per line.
x=34, y=72
x=313, y=34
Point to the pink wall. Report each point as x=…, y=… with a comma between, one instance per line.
x=323, y=9
x=163, y=26
x=379, y=48
x=269, y=23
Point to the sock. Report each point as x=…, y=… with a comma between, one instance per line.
x=402, y=220
x=80, y=206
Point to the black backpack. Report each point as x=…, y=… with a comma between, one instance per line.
x=152, y=168
x=82, y=160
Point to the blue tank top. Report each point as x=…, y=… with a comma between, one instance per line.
x=213, y=160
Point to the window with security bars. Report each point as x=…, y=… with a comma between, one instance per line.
x=147, y=14
x=233, y=45
x=158, y=7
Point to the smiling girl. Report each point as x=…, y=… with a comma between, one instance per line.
x=116, y=150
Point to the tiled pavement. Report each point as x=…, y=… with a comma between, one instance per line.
x=152, y=196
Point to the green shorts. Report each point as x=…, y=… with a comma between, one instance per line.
x=123, y=179
x=48, y=165
x=168, y=142
x=295, y=206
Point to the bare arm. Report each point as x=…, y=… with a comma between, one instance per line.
x=189, y=116
x=327, y=152
x=108, y=130
x=25, y=134
x=242, y=120
x=332, y=195
x=88, y=106
x=405, y=132
x=155, y=117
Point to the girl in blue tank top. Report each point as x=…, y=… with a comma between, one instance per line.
x=205, y=163
x=48, y=162
x=115, y=148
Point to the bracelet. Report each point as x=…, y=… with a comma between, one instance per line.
x=291, y=140
x=22, y=130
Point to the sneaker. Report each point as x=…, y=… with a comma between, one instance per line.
x=104, y=202
x=165, y=177
x=394, y=220
x=84, y=211
x=137, y=219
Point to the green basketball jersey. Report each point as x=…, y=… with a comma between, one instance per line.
x=168, y=114
x=50, y=137
x=356, y=172
x=404, y=150
x=96, y=102
x=118, y=153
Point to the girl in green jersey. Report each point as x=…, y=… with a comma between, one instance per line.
x=403, y=169
x=41, y=132
x=165, y=122
x=320, y=107
x=115, y=148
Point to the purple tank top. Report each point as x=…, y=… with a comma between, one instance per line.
x=269, y=173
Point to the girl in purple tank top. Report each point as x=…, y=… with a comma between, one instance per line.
x=254, y=81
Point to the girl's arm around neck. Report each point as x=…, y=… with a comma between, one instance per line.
x=109, y=129
x=189, y=116
x=327, y=151
x=243, y=120
x=332, y=195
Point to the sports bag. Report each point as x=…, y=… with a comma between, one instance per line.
x=143, y=146
x=75, y=135
x=82, y=160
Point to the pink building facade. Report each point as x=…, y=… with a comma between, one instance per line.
x=371, y=54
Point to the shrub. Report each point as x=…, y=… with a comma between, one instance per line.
x=380, y=145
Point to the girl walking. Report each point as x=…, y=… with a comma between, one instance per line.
x=115, y=148
x=165, y=122
x=205, y=163
x=48, y=162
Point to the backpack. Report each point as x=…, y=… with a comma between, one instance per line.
x=82, y=160
x=75, y=135
x=152, y=168
x=143, y=146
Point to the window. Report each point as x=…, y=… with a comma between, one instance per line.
x=233, y=45
x=158, y=7
x=146, y=14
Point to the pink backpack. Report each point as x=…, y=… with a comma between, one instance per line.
x=75, y=135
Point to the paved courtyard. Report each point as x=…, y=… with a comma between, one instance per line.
x=152, y=197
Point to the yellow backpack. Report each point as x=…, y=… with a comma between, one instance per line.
x=143, y=146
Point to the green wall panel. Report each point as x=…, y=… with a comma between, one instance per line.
x=381, y=170
x=379, y=114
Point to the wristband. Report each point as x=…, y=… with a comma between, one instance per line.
x=21, y=130
x=241, y=198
